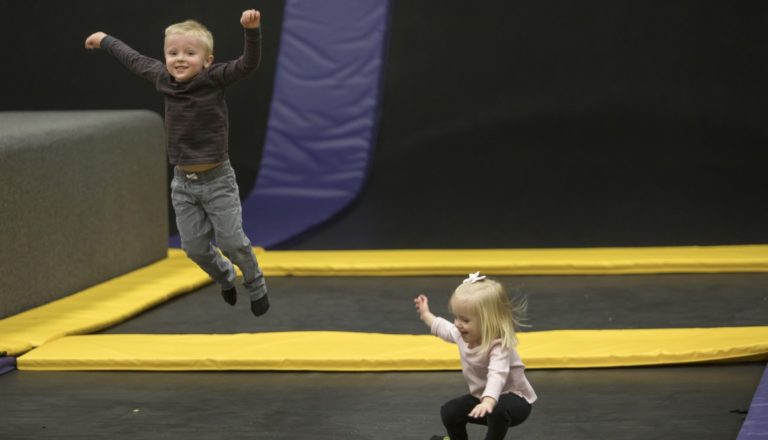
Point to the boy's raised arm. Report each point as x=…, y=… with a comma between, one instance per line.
x=146, y=67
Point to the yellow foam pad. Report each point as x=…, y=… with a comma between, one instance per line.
x=685, y=259
x=102, y=305
x=346, y=351
x=118, y=299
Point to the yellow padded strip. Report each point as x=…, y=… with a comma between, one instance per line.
x=345, y=351
x=113, y=301
x=686, y=259
x=102, y=305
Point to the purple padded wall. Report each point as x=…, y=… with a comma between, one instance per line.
x=323, y=116
x=7, y=364
x=755, y=426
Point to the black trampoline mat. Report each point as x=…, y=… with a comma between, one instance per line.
x=385, y=304
x=702, y=402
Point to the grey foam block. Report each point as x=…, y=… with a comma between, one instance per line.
x=83, y=199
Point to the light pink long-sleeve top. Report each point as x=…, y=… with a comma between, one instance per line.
x=493, y=373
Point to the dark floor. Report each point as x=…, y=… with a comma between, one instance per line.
x=684, y=402
x=644, y=403
x=385, y=304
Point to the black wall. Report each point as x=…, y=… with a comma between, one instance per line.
x=567, y=124
x=455, y=65
x=570, y=123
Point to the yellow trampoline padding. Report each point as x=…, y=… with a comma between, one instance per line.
x=118, y=299
x=102, y=305
x=349, y=351
x=684, y=259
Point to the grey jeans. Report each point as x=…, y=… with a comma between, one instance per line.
x=208, y=211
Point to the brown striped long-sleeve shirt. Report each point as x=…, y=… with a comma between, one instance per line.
x=196, y=114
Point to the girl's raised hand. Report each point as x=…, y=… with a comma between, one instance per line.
x=422, y=307
x=251, y=19
x=422, y=304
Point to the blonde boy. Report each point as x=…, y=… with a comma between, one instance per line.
x=204, y=191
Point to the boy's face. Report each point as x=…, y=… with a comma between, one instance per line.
x=185, y=56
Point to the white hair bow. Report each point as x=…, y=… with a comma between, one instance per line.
x=474, y=277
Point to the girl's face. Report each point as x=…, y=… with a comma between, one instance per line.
x=185, y=56
x=467, y=322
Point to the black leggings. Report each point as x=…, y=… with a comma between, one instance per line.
x=510, y=410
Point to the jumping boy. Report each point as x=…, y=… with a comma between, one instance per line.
x=204, y=191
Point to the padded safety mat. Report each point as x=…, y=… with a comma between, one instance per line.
x=350, y=351
x=102, y=305
x=118, y=299
x=602, y=261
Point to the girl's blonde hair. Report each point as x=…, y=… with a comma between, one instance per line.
x=499, y=316
x=195, y=29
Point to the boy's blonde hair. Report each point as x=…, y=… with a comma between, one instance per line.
x=195, y=29
x=499, y=317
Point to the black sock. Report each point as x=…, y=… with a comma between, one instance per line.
x=229, y=295
x=260, y=306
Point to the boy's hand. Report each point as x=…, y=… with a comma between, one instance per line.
x=251, y=19
x=94, y=40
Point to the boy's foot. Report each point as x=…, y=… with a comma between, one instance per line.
x=229, y=295
x=439, y=437
x=260, y=306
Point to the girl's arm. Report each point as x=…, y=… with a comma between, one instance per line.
x=437, y=326
x=422, y=307
x=499, y=361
